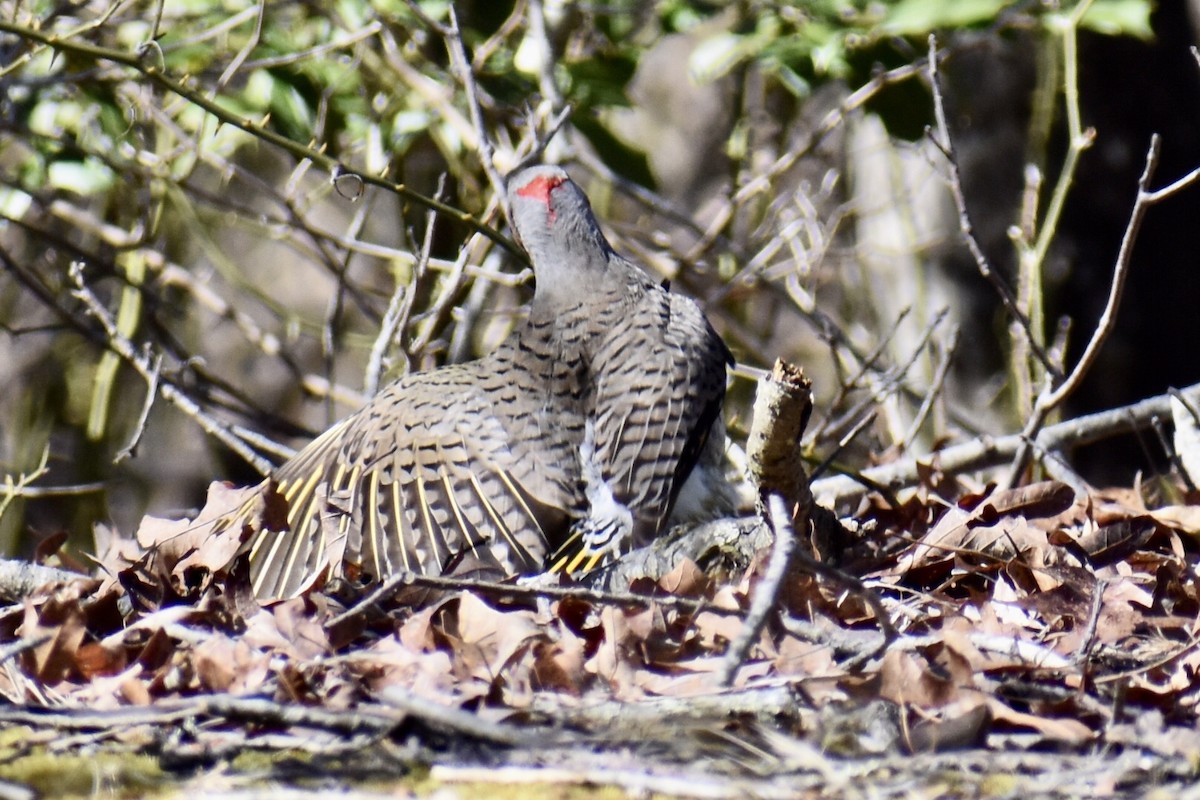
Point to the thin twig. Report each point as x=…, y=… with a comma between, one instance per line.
x=1051, y=399
x=766, y=592
x=892, y=380
x=1084, y=651
x=54, y=491
x=850, y=382
x=400, y=306
x=14, y=649
x=126, y=350
x=296, y=56
x=945, y=143
x=140, y=426
x=546, y=80
x=240, y=58
x=466, y=723
x=842, y=444
x=466, y=76
x=379, y=596
x=935, y=388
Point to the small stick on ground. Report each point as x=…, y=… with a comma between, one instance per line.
x=21, y=579
x=782, y=407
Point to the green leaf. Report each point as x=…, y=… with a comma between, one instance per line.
x=917, y=17
x=1120, y=18
x=55, y=118
x=413, y=121
x=258, y=91
x=82, y=177
x=714, y=57
x=14, y=203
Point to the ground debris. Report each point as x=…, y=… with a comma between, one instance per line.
x=1034, y=628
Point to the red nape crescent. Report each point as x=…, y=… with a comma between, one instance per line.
x=540, y=188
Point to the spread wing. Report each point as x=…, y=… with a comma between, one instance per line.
x=423, y=478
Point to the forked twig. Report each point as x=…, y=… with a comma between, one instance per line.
x=945, y=143
x=1052, y=398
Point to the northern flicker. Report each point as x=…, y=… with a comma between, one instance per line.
x=574, y=437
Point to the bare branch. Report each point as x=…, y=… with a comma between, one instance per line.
x=1052, y=398
x=945, y=143
x=141, y=363
x=987, y=451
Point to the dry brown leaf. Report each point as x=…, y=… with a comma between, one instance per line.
x=686, y=580
x=716, y=631
x=114, y=553
x=694, y=677
x=216, y=663
x=211, y=551
x=134, y=692
x=1056, y=729
x=727, y=598
x=966, y=725
x=184, y=553
x=94, y=659
x=1115, y=503
x=996, y=525
x=961, y=533
x=61, y=619
x=113, y=691
x=417, y=632
x=1114, y=541
x=930, y=677
x=613, y=661
x=305, y=636
x=171, y=538
x=1182, y=518
x=489, y=646
x=388, y=662
x=645, y=623
x=558, y=665
x=798, y=657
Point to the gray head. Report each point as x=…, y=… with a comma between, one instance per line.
x=553, y=221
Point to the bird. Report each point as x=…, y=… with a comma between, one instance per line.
x=566, y=446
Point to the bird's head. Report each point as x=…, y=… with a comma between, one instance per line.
x=553, y=221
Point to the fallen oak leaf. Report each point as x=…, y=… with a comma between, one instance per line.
x=995, y=525
x=212, y=547
x=1042, y=499
x=174, y=539
x=1055, y=729
x=685, y=580
x=388, y=662
x=1111, y=543
x=614, y=660
x=961, y=533
x=60, y=622
x=558, y=665
x=183, y=555
x=296, y=621
x=1185, y=519
x=929, y=677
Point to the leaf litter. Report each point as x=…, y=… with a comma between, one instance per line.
x=1031, y=622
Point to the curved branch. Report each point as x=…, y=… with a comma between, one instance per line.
x=316, y=156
